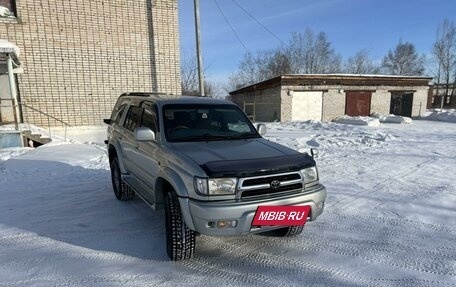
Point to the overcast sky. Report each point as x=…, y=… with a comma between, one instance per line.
x=351, y=25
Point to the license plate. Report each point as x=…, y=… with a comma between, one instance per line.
x=284, y=215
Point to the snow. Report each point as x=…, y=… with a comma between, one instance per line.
x=358, y=121
x=388, y=220
x=373, y=121
x=444, y=116
x=392, y=119
x=8, y=47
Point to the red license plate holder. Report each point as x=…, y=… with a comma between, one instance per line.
x=281, y=215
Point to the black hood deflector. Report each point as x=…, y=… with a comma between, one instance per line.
x=254, y=167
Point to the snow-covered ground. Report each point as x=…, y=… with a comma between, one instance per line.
x=390, y=217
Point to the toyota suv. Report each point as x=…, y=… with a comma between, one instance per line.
x=208, y=166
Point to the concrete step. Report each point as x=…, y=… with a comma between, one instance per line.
x=35, y=137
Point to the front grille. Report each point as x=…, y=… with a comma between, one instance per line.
x=267, y=180
x=260, y=186
x=270, y=191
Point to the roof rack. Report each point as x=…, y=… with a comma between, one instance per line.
x=143, y=94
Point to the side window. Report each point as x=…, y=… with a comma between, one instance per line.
x=117, y=115
x=150, y=119
x=133, y=117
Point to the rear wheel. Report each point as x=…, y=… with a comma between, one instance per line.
x=180, y=240
x=289, y=231
x=121, y=190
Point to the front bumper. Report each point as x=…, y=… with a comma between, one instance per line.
x=197, y=214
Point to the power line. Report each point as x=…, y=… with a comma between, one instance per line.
x=231, y=26
x=258, y=21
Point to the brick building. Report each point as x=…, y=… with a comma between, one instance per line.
x=326, y=97
x=78, y=56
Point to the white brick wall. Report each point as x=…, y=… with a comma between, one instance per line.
x=79, y=55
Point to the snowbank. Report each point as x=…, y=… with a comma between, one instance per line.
x=445, y=116
x=358, y=121
x=392, y=119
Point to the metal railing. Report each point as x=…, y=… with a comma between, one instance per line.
x=49, y=117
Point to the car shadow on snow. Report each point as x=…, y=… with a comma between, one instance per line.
x=75, y=205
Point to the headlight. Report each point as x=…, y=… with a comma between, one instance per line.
x=215, y=186
x=310, y=175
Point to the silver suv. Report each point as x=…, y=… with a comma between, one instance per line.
x=203, y=161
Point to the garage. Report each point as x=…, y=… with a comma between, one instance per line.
x=401, y=104
x=307, y=106
x=326, y=97
x=358, y=103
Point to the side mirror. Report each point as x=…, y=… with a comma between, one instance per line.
x=107, y=121
x=314, y=152
x=261, y=128
x=143, y=134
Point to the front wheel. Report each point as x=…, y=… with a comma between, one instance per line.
x=180, y=240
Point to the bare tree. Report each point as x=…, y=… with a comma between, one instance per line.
x=361, y=63
x=189, y=75
x=305, y=53
x=312, y=54
x=444, y=52
x=189, y=79
x=259, y=67
x=404, y=60
x=277, y=63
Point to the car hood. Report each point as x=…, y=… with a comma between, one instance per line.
x=243, y=157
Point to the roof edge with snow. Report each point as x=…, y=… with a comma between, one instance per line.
x=336, y=80
x=7, y=47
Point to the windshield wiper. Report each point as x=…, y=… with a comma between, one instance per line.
x=246, y=135
x=210, y=137
x=202, y=137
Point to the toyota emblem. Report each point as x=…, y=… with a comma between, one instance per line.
x=275, y=184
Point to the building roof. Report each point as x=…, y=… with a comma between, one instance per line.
x=336, y=79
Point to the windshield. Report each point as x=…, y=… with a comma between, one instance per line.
x=206, y=123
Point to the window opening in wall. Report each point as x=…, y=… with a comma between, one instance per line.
x=8, y=9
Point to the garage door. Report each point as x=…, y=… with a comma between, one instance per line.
x=358, y=103
x=307, y=106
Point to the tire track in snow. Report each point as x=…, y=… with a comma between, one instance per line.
x=292, y=266
x=430, y=261
x=384, y=184
x=252, y=254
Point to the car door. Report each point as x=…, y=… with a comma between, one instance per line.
x=127, y=139
x=148, y=166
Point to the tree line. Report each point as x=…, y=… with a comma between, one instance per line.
x=312, y=53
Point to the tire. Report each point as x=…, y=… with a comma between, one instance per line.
x=121, y=190
x=288, y=231
x=180, y=240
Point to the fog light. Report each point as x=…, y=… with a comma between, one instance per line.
x=320, y=204
x=226, y=223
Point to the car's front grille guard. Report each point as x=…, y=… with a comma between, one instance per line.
x=240, y=188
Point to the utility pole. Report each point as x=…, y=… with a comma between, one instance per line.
x=198, y=49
